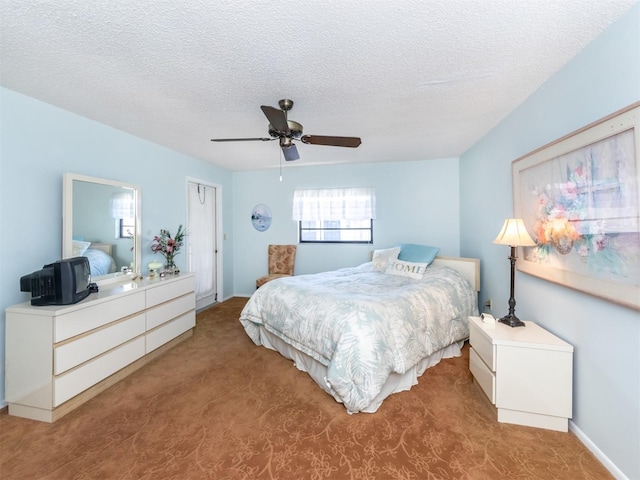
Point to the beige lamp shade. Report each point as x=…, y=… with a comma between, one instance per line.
x=514, y=233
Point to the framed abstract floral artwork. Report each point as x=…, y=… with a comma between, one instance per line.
x=579, y=198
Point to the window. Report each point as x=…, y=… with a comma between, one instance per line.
x=335, y=215
x=123, y=211
x=336, y=231
x=126, y=227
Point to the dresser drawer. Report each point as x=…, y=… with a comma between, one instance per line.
x=77, y=351
x=485, y=377
x=83, y=320
x=171, y=330
x=167, y=311
x=75, y=381
x=169, y=291
x=483, y=345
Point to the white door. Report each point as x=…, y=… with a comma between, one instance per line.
x=202, y=229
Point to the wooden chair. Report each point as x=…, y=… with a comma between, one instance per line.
x=281, y=261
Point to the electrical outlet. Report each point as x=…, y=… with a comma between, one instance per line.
x=487, y=303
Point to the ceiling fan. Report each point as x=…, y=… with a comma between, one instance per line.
x=285, y=130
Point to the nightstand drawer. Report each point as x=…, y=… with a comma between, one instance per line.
x=485, y=377
x=483, y=345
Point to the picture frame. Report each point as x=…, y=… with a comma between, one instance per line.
x=579, y=199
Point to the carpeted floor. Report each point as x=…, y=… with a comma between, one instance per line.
x=217, y=406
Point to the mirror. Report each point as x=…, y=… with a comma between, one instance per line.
x=101, y=221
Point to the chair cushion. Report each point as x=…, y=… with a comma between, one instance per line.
x=267, y=278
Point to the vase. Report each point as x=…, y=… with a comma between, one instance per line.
x=170, y=266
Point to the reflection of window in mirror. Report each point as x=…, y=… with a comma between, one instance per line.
x=125, y=227
x=123, y=211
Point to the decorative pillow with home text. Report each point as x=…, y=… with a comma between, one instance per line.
x=406, y=269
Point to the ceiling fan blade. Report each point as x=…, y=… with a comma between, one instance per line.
x=290, y=153
x=241, y=139
x=351, y=142
x=277, y=118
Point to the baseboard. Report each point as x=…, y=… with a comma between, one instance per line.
x=608, y=464
x=230, y=297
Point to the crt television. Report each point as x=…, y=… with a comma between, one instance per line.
x=60, y=283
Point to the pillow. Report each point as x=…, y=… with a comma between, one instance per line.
x=78, y=248
x=381, y=258
x=406, y=269
x=411, y=252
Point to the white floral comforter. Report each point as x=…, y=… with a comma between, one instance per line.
x=363, y=324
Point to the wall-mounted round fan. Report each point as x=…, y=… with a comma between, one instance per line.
x=285, y=130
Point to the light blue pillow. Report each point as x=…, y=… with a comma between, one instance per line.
x=411, y=252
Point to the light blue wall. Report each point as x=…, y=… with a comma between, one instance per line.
x=417, y=202
x=38, y=143
x=602, y=79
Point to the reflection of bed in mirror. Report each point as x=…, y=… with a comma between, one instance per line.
x=101, y=259
x=88, y=216
x=100, y=256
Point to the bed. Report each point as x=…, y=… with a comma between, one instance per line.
x=362, y=333
x=100, y=256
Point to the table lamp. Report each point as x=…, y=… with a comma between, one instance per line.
x=514, y=234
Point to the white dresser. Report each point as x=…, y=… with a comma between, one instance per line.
x=58, y=357
x=526, y=372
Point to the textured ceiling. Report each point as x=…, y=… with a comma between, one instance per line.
x=415, y=79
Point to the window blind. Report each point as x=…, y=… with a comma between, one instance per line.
x=334, y=204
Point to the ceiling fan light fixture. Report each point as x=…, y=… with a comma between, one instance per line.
x=294, y=130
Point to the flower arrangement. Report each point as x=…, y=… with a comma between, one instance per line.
x=559, y=232
x=168, y=246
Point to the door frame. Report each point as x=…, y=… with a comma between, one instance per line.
x=219, y=236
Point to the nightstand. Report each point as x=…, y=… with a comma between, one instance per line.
x=525, y=372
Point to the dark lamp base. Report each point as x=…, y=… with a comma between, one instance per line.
x=512, y=321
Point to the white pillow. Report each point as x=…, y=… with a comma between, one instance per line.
x=78, y=248
x=406, y=269
x=381, y=258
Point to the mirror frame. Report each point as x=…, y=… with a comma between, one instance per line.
x=67, y=224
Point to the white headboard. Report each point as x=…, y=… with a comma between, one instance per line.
x=104, y=247
x=469, y=267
